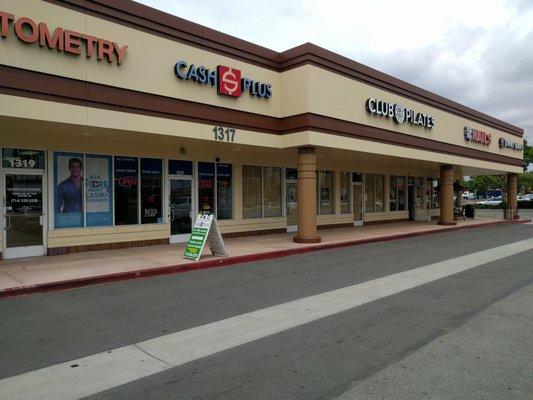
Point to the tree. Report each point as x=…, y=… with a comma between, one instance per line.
x=482, y=183
x=525, y=182
x=528, y=155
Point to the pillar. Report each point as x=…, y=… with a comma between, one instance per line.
x=511, y=212
x=459, y=197
x=446, y=195
x=307, y=196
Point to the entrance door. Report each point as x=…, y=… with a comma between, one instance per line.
x=23, y=213
x=357, y=204
x=180, y=209
x=291, y=203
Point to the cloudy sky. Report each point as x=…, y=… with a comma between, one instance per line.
x=478, y=53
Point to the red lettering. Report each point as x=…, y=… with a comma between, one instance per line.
x=73, y=42
x=56, y=40
x=5, y=19
x=120, y=52
x=28, y=31
x=19, y=30
x=489, y=138
x=105, y=47
x=91, y=40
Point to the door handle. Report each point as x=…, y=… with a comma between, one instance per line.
x=171, y=215
x=8, y=222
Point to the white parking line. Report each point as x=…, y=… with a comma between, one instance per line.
x=93, y=374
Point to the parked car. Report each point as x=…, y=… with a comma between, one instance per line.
x=491, y=201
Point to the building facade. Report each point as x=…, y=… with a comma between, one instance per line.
x=119, y=123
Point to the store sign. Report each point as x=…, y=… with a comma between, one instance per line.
x=399, y=113
x=477, y=136
x=24, y=198
x=205, y=230
x=63, y=40
x=227, y=80
x=509, y=144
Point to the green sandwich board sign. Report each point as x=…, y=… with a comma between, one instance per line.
x=205, y=230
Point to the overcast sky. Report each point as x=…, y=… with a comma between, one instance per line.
x=478, y=53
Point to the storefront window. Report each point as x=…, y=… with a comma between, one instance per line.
x=224, y=192
x=68, y=190
x=98, y=190
x=272, y=191
x=126, y=187
x=369, y=192
x=419, y=192
x=325, y=192
x=428, y=193
x=251, y=191
x=345, y=192
x=435, y=194
x=206, y=185
x=402, y=193
x=291, y=174
x=151, y=191
x=393, y=193
x=379, y=201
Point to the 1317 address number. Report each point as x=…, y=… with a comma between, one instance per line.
x=224, y=134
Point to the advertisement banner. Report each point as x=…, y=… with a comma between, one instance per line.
x=99, y=190
x=205, y=229
x=199, y=233
x=68, y=190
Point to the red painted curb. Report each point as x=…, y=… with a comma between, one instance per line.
x=220, y=262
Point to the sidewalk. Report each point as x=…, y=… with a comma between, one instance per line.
x=35, y=274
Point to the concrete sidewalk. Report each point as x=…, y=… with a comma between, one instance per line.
x=23, y=276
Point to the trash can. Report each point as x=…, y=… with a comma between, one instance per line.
x=470, y=211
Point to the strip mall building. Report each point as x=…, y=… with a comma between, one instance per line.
x=118, y=123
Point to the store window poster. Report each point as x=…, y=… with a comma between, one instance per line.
x=68, y=190
x=99, y=190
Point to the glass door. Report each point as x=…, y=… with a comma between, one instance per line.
x=358, y=203
x=291, y=204
x=180, y=209
x=23, y=214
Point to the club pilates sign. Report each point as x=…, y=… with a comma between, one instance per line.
x=399, y=113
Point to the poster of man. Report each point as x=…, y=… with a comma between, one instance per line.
x=69, y=190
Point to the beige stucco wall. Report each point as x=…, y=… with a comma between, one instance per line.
x=149, y=68
x=344, y=98
x=149, y=62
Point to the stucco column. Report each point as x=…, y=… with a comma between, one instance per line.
x=512, y=182
x=307, y=196
x=459, y=198
x=446, y=195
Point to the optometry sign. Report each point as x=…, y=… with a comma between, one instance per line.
x=63, y=40
x=477, y=136
x=509, y=144
x=399, y=113
x=227, y=80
